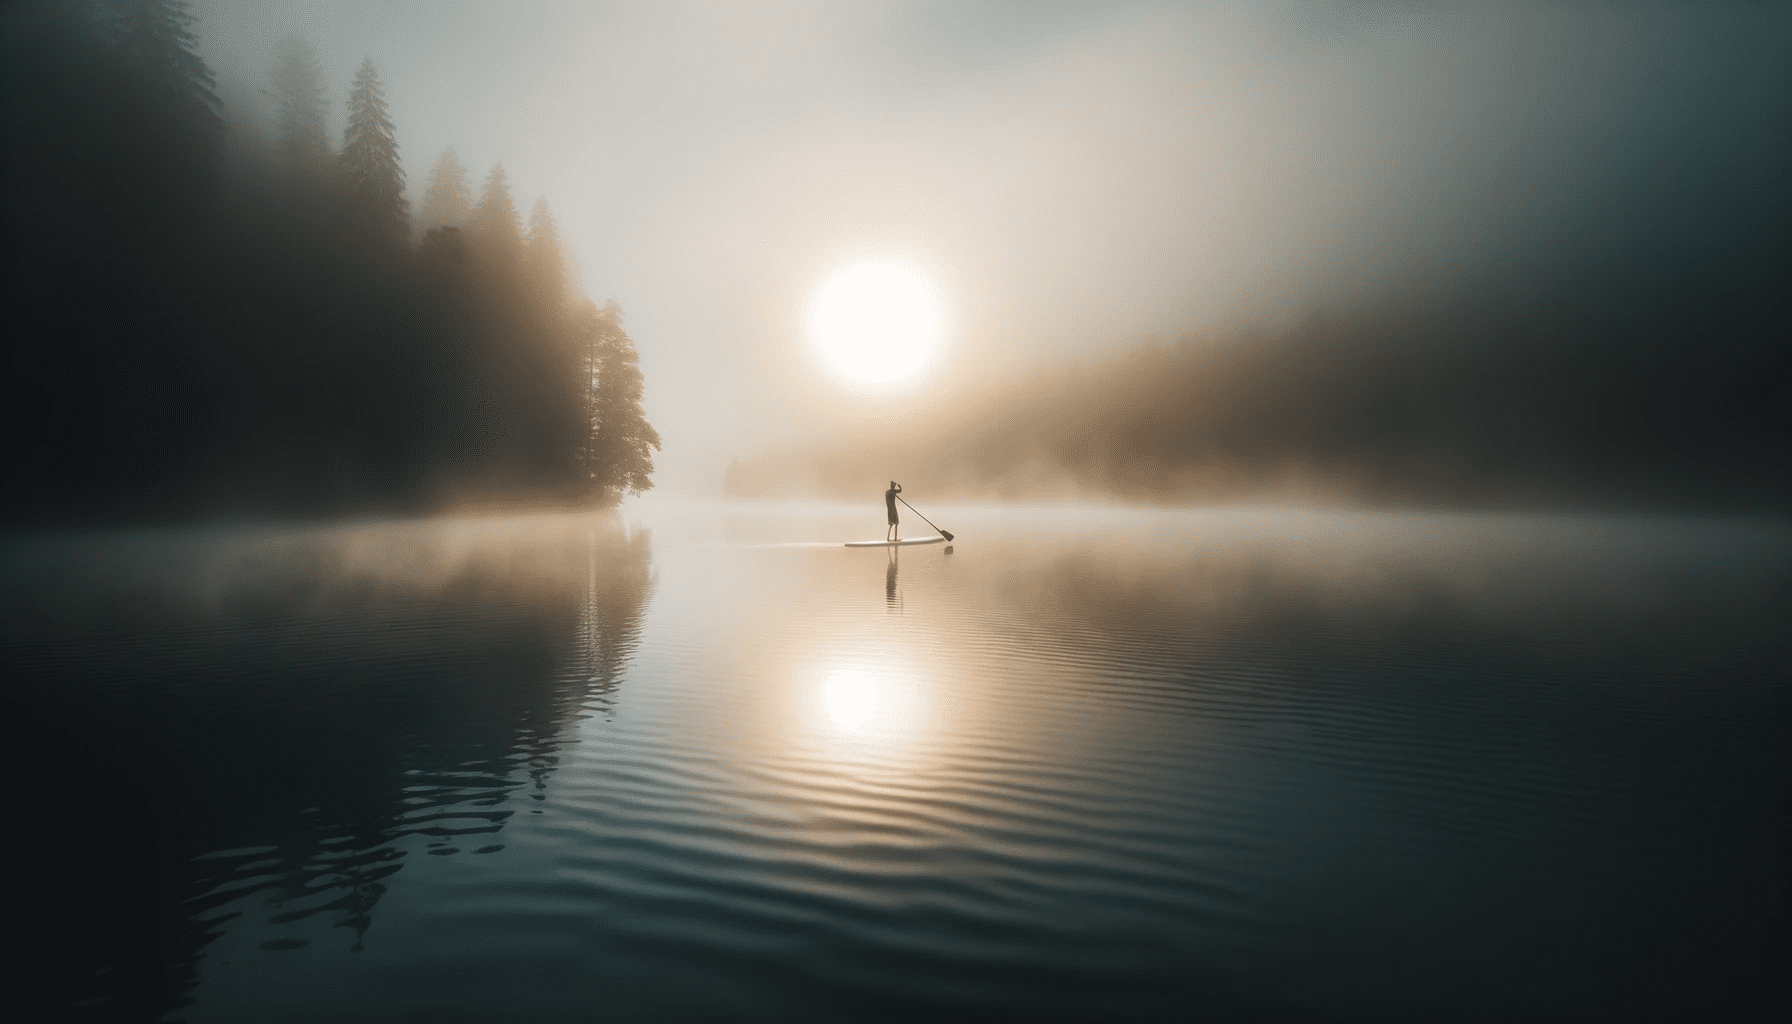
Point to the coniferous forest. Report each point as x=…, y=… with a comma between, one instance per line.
x=204, y=321
x=1599, y=398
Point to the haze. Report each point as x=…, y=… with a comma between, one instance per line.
x=1334, y=508
x=1076, y=178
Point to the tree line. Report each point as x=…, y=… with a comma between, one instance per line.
x=205, y=319
x=1612, y=394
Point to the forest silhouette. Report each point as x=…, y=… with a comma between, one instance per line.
x=203, y=321
x=1635, y=384
x=1601, y=398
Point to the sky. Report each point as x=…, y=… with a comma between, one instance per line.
x=1074, y=177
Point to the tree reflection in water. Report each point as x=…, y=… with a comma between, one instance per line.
x=255, y=727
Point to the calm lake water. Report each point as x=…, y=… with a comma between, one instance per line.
x=699, y=762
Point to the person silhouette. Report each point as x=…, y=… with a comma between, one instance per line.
x=894, y=531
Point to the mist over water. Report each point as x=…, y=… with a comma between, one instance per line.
x=1080, y=178
x=1356, y=435
x=1091, y=763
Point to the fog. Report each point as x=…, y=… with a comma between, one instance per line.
x=1076, y=177
x=1574, y=220
x=1355, y=437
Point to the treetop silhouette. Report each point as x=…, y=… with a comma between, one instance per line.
x=157, y=37
x=495, y=219
x=370, y=165
x=544, y=260
x=619, y=456
x=297, y=82
x=273, y=345
x=448, y=198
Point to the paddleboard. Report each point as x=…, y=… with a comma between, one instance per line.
x=936, y=539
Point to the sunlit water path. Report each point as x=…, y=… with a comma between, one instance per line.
x=1088, y=763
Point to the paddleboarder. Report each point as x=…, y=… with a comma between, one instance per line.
x=894, y=532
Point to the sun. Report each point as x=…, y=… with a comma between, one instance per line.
x=877, y=320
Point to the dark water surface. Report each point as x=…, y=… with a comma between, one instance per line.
x=1090, y=764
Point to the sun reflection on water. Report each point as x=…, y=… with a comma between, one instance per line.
x=870, y=705
x=852, y=699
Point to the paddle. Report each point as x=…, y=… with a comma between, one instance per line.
x=924, y=519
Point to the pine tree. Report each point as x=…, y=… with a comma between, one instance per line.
x=544, y=260
x=618, y=455
x=298, y=86
x=156, y=36
x=448, y=200
x=370, y=167
x=495, y=218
